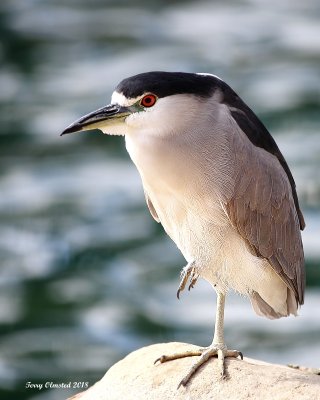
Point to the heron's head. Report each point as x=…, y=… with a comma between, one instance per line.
x=153, y=101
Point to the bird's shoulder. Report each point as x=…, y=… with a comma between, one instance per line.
x=257, y=134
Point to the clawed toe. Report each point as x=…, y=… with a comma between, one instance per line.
x=193, y=280
x=188, y=272
x=204, y=355
x=176, y=356
x=221, y=354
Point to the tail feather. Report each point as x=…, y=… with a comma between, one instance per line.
x=262, y=308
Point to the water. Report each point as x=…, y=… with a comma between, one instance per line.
x=86, y=274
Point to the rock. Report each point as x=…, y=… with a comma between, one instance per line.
x=136, y=377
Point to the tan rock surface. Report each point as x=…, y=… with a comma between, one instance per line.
x=136, y=377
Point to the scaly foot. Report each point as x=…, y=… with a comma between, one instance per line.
x=205, y=353
x=188, y=272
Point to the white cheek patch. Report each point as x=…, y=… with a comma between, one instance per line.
x=115, y=130
x=119, y=98
x=138, y=119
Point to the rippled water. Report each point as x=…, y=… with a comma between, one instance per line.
x=86, y=274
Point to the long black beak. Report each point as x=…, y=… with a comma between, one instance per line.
x=98, y=118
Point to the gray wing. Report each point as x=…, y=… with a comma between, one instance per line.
x=152, y=210
x=258, y=135
x=263, y=210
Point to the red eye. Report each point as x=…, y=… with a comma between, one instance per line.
x=148, y=100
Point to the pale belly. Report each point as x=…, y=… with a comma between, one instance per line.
x=220, y=254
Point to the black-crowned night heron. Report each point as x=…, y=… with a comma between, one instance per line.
x=216, y=180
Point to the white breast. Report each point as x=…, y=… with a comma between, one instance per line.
x=190, y=213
